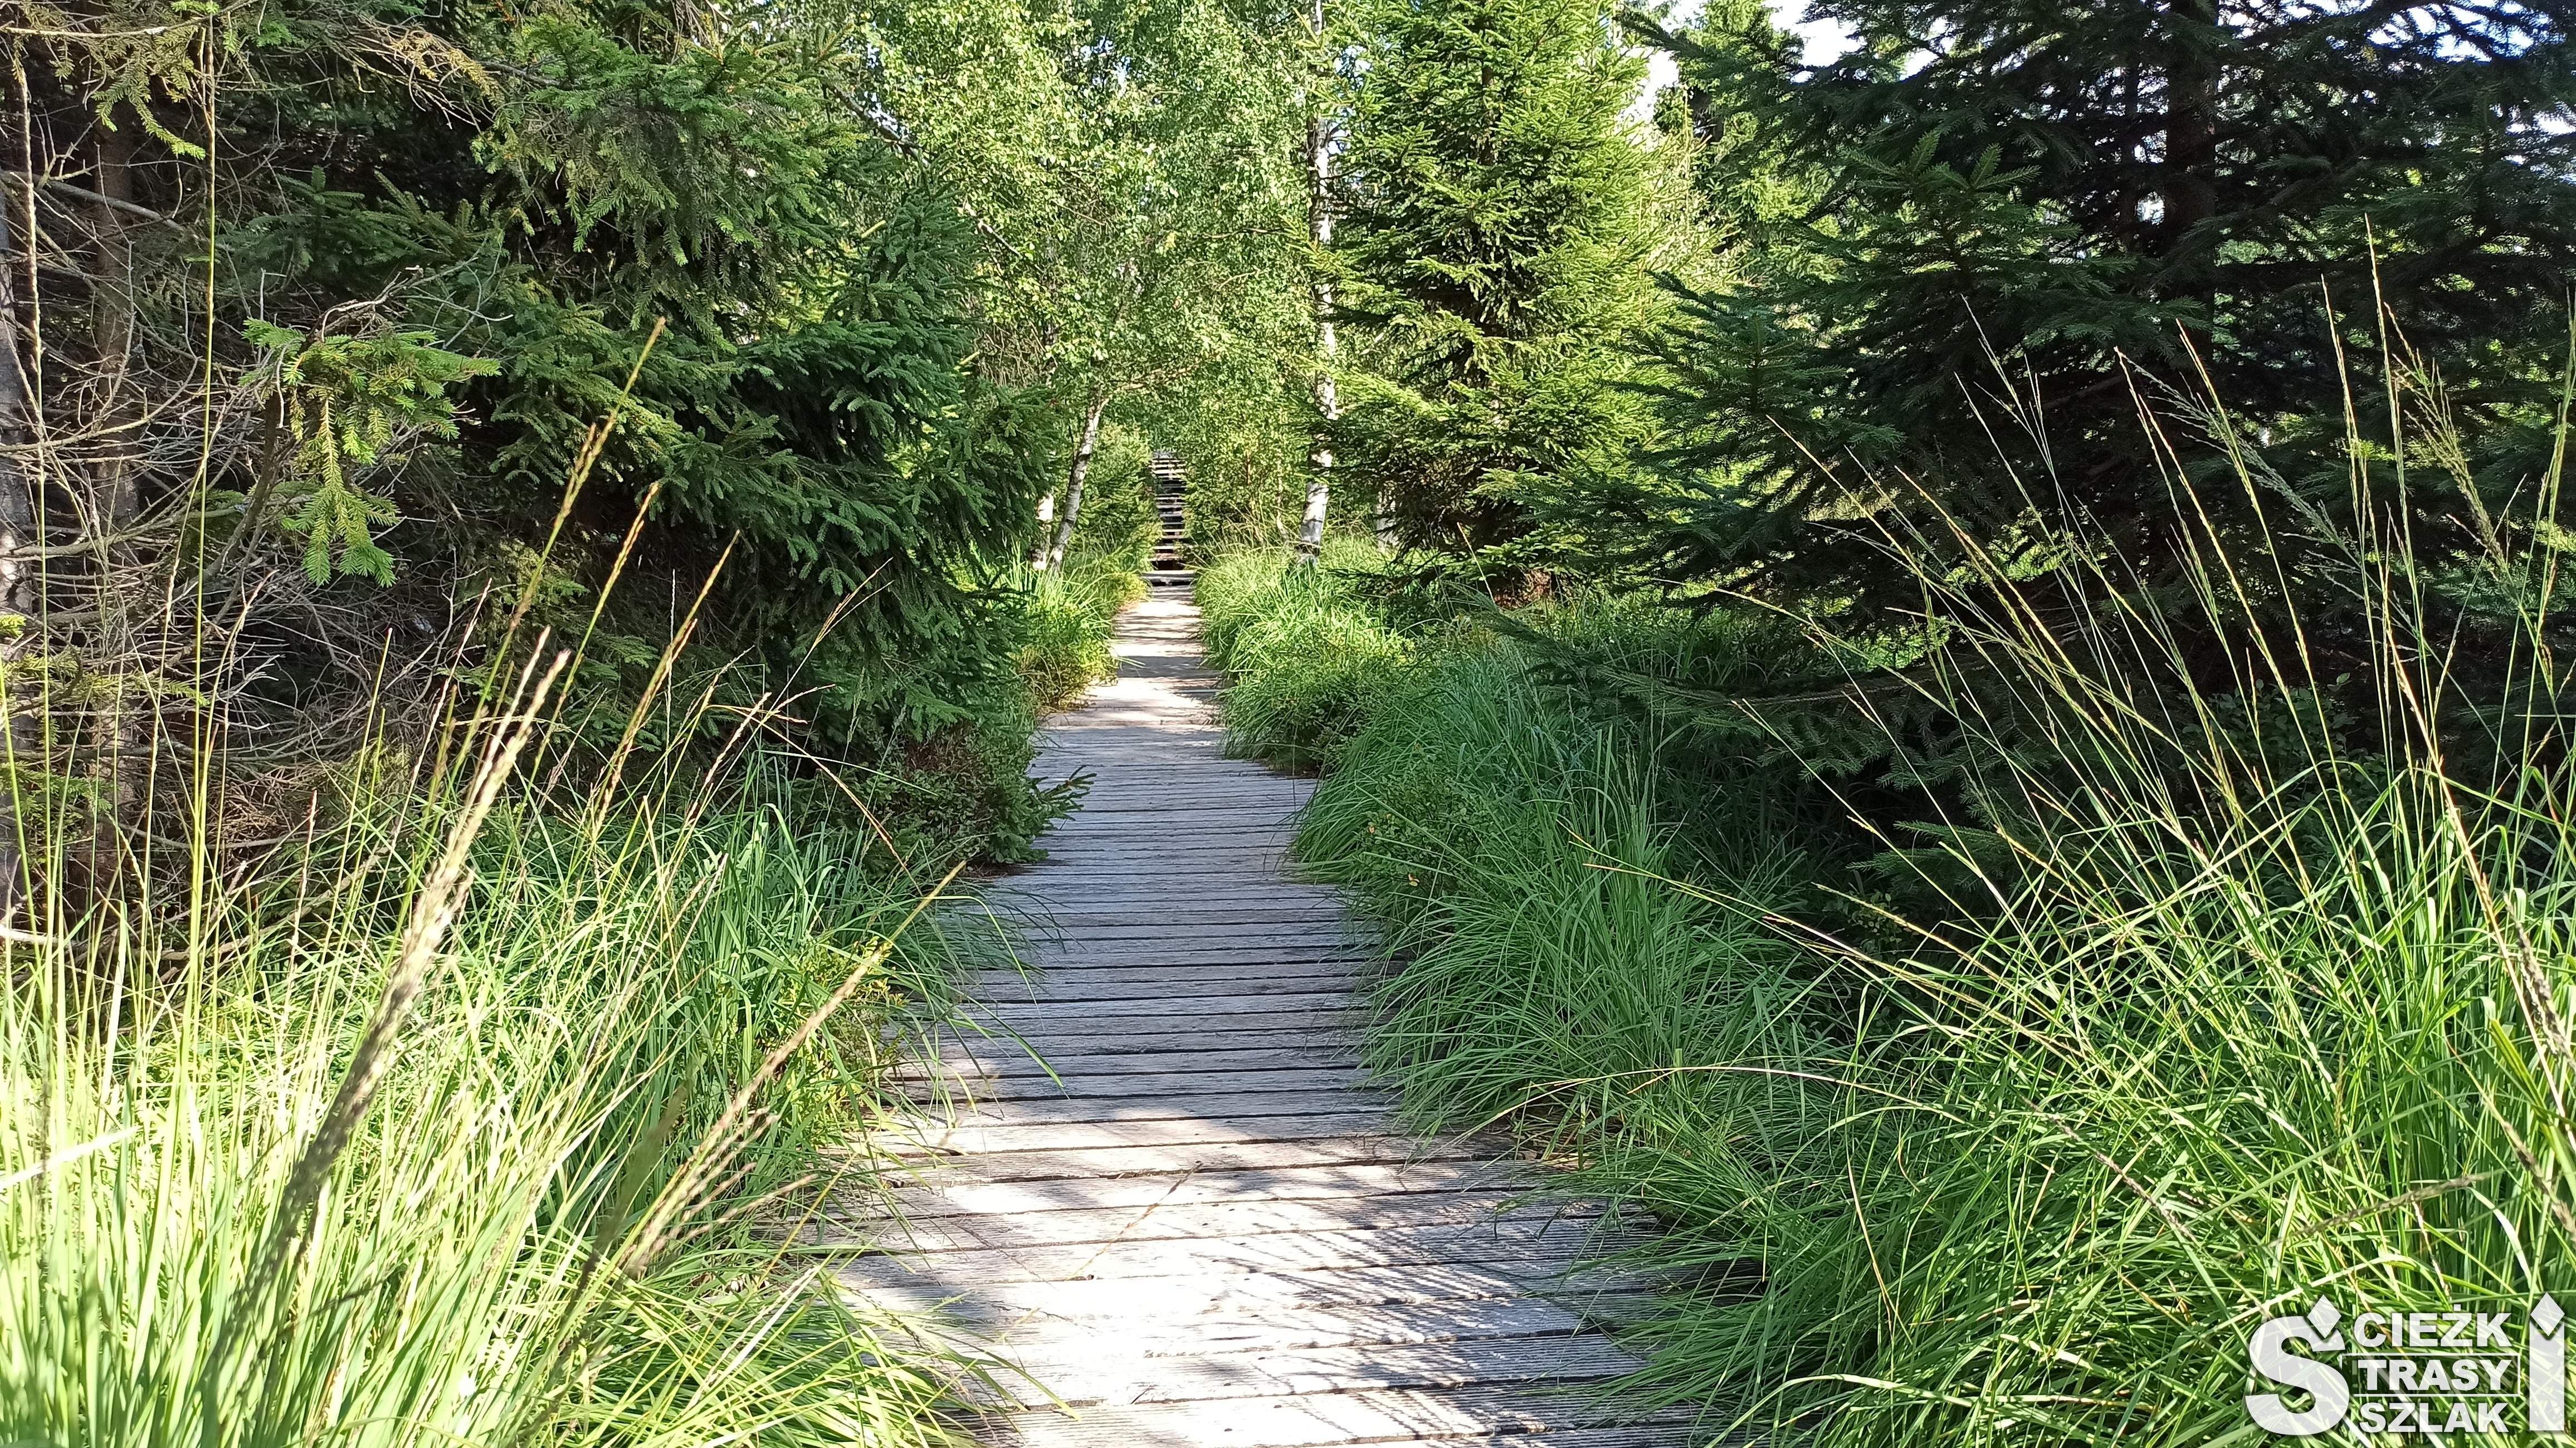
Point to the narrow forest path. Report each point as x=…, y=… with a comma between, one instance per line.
x=1205, y=1228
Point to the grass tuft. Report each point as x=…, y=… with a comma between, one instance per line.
x=1071, y=612
x=545, y=1194
x=1308, y=659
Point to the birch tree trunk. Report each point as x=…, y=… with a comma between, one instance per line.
x=1319, y=232
x=1073, y=481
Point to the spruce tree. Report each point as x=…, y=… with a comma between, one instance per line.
x=2071, y=186
x=1497, y=224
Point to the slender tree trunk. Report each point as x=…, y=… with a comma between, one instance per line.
x=1319, y=232
x=112, y=318
x=17, y=532
x=1073, y=481
x=17, y=491
x=118, y=497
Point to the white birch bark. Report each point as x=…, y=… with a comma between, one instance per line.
x=1073, y=482
x=1319, y=231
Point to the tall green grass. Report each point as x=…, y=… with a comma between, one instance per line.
x=1308, y=658
x=2014, y=1130
x=1518, y=847
x=466, y=1121
x=1071, y=613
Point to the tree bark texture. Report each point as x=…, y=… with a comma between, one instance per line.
x=1073, y=481
x=1319, y=232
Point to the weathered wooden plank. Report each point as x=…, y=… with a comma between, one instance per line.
x=1209, y=768
x=1186, y=1019
x=1103, y=938
x=1181, y=978
x=1504, y=1244
x=1247, y=864
x=1229, y=974
x=938, y=1192
x=1236, y=859
x=1261, y=824
x=1209, y=892
x=1216, y=909
x=1062, y=1042
x=1109, y=1088
x=1268, y=816
x=1152, y=878
x=1248, y=821
x=1104, y=853
x=1164, y=1221
x=1089, y=1304
x=997, y=1059
x=1165, y=983
x=1096, y=1379
x=1327, y=1029
x=1230, y=944
x=1091, y=931
x=1103, y=752
x=1017, y=888
x=1671, y=1434
x=1044, y=968
x=1171, y=1131
x=1279, y=1328
x=1062, y=1015
x=1209, y=951
x=1313, y=1420
x=1096, y=1051
x=1054, y=942
x=1222, y=904
x=1207, y=1156
x=1098, y=1085
x=1229, y=1106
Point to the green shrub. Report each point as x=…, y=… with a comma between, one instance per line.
x=1071, y=613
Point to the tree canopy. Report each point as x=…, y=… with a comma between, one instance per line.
x=1989, y=232
x=1497, y=223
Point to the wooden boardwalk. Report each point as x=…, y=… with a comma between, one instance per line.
x=1203, y=1227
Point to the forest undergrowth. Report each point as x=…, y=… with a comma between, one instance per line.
x=472, y=1117
x=485, y=1103
x=2003, y=1015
